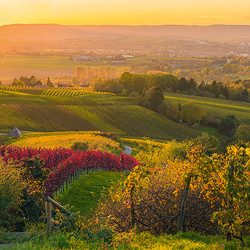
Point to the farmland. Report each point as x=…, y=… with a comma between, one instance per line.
x=15, y=65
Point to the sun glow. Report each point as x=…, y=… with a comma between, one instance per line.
x=125, y=12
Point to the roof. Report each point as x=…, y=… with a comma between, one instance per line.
x=15, y=132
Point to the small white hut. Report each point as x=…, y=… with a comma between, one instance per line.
x=15, y=132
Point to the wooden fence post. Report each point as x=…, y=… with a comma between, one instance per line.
x=48, y=216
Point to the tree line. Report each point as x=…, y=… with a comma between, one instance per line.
x=32, y=81
x=137, y=84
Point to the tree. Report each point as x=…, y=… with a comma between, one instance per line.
x=192, y=113
x=33, y=81
x=49, y=83
x=154, y=98
x=226, y=178
x=227, y=125
x=18, y=83
x=172, y=111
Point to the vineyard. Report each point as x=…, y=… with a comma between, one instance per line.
x=67, y=165
x=128, y=120
x=63, y=92
x=68, y=109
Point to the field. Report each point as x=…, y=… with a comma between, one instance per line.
x=42, y=66
x=67, y=139
x=217, y=107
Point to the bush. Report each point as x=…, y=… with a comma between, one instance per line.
x=153, y=199
x=11, y=188
x=192, y=113
x=243, y=133
x=83, y=146
x=3, y=139
x=34, y=175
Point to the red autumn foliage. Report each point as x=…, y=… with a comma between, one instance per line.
x=65, y=162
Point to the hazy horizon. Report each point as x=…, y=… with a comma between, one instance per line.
x=136, y=25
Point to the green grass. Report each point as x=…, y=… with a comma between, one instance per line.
x=132, y=240
x=85, y=192
x=215, y=106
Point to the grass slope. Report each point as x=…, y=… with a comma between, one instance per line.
x=102, y=112
x=218, y=107
x=85, y=192
x=51, y=118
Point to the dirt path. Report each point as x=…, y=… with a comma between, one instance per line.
x=128, y=150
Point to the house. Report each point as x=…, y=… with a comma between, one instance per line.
x=15, y=132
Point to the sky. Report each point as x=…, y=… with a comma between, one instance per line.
x=125, y=12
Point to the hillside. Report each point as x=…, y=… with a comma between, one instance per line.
x=217, y=107
x=86, y=113
x=51, y=31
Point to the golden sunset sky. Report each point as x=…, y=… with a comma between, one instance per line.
x=130, y=12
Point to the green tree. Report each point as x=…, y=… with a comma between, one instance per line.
x=227, y=125
x=192, y=113
x=154, y=98
x=172, y=111
x=18, y=83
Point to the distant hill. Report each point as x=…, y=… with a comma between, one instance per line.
x=50, y=31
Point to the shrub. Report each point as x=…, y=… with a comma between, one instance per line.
x=3, y=139
x=243, y=132
x=150, y=198
x=34, y=174
x=192, y=113
x=83, y=146
x=11, y=188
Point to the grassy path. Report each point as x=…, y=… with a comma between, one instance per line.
x=85, y=192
